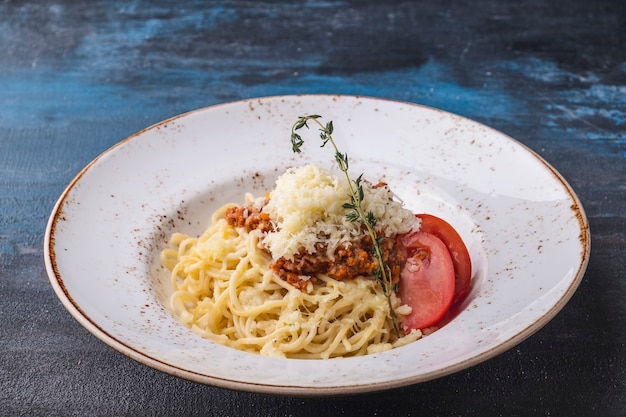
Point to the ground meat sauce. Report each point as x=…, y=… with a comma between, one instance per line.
x=249, y=217
x=349, y=260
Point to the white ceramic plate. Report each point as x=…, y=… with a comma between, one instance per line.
x=524, y=226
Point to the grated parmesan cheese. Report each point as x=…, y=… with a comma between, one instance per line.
x=306, y=207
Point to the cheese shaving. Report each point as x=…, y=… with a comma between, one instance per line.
x=306, y=208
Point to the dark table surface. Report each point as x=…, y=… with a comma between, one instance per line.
x=77, y=77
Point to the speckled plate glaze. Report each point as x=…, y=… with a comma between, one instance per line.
x=524, y=226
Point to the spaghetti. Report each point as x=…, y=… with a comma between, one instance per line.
x=226, y=291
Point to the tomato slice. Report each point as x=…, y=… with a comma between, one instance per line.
x=426, y=279
x=458, y=251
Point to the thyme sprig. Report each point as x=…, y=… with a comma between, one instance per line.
x=355, y=213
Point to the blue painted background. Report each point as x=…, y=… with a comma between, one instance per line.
x=77, y=77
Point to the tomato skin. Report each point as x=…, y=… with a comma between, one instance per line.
x=458, y=252
x=426, y=279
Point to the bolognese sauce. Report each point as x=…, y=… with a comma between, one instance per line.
x=349, y=260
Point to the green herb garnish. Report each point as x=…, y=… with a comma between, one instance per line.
x=356, y=213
